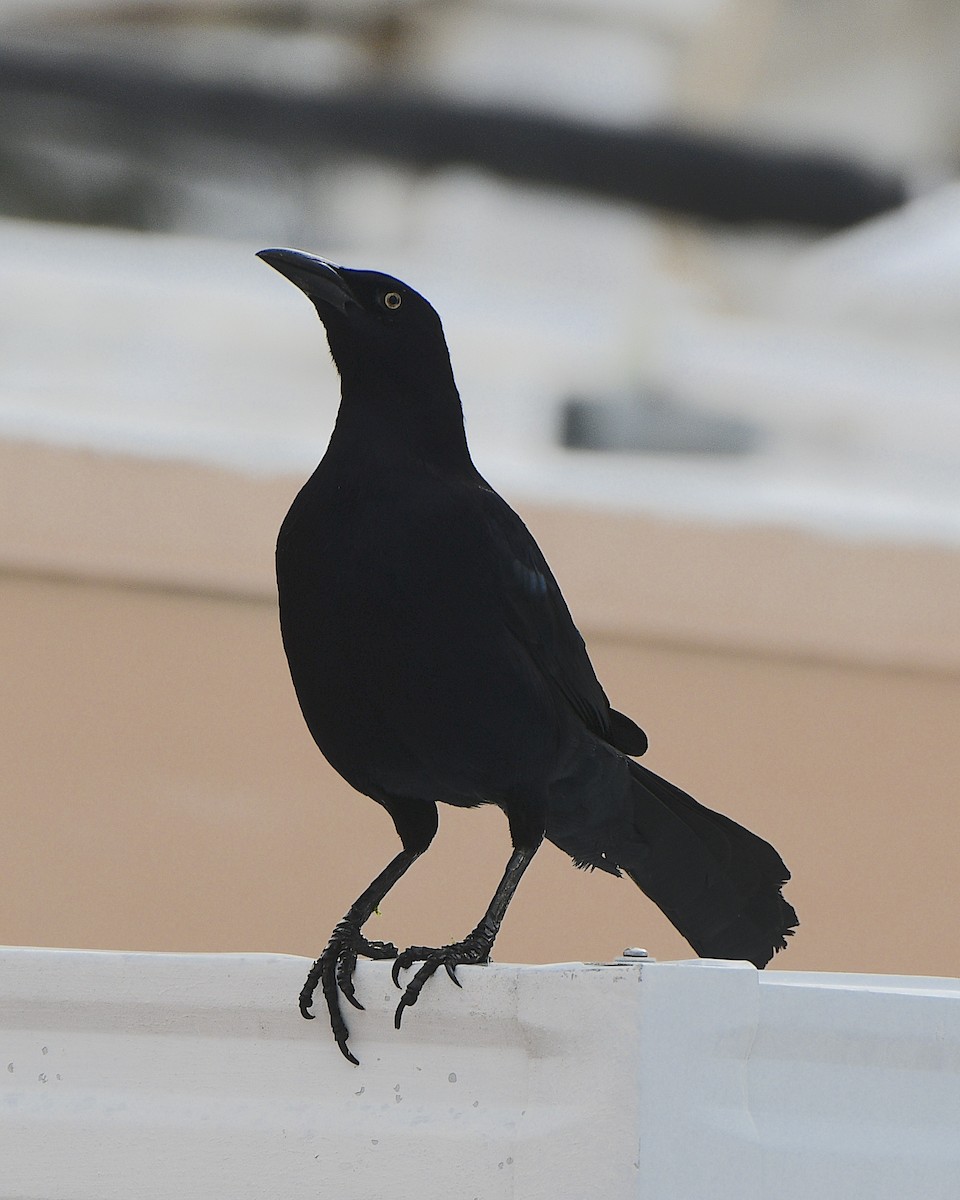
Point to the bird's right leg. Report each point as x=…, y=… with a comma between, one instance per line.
x=416, y=823
x=526, y=833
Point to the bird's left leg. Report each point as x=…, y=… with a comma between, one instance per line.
x=476, y=946
x=416, y=823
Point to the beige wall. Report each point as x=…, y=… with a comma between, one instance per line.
x=161, y=792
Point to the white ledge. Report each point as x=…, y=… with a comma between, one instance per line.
x=156, y=1075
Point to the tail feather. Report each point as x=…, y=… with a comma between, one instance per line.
x=718, y=883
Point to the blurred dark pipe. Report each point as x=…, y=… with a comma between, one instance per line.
x=683, y=171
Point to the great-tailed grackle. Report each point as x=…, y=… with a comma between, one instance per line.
x=434, y=659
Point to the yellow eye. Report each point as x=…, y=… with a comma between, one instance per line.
x=393, y=299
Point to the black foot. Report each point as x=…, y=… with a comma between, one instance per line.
x=333, y=970
x=475, y=948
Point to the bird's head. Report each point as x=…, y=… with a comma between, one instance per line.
x=382, y=333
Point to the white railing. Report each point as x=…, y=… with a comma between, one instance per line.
x=181, y=1076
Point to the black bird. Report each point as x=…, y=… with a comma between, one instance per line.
x=434, y=659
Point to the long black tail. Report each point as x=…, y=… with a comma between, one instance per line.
x=718, y=883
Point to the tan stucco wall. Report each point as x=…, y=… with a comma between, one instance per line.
x=161, y=792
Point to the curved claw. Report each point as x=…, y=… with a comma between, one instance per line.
x=346, y=1051
x=345, y=968
x=309, y=987
x=472, y=949
x=333, y=971
x=407, y=958
x=404, y=1003
x=328, y=981
x=414, y=988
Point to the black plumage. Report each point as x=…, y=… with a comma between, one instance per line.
x=435, y=659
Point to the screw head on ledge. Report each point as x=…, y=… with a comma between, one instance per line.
x=633, y=956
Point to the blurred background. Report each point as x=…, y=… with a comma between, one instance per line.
x=699, y=266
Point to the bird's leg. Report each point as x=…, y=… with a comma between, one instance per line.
x=333, y=970
x=475, y=947
x=416, y=823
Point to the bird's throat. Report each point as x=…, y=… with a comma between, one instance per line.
x=376, y=416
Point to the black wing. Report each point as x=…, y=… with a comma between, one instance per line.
x=537, y=615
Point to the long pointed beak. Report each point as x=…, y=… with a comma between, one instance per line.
x=320, y=279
